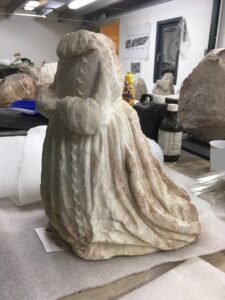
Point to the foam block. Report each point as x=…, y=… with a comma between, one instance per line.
x=20, y=166
x=30, y=172
x=11, y=156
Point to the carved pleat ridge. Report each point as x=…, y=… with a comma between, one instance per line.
x=84, y=229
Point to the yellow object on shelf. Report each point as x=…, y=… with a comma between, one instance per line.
x=128, y=91
x=129, y=77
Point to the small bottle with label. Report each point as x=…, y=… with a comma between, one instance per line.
x=170, y=134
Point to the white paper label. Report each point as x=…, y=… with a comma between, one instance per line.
x=170, y=142
x=49, y=240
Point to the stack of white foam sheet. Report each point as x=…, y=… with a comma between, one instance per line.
x=28, y=185
x=11, y=156
x=194, y=279
x=20, y=166
x=28, y=272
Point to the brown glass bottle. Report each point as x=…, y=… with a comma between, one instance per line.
x=170, y=134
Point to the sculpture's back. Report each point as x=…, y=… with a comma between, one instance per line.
x=103, y=191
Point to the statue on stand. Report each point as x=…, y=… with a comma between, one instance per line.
x=103, y=191
x=164, y=86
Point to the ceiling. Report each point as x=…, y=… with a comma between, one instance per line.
x=98, y=11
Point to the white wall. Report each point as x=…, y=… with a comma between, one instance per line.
x=198, y=18
x=34, y=39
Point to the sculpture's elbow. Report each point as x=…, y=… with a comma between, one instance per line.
x=88, y=123
x=46, y=102
x=46, y=108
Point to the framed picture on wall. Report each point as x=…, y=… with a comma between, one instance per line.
x=135, y=67
x=137, y=41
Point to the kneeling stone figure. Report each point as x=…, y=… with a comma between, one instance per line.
x=102, y=189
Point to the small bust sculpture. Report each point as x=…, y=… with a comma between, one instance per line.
x=164, y=86
x=103, y=191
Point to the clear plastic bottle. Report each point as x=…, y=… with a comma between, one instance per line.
x=170, y=134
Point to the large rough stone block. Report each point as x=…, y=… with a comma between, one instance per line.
x=202, y=98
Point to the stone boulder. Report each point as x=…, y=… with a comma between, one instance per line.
x=202, y=98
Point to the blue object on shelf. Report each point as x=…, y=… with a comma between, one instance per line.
x=25, y=106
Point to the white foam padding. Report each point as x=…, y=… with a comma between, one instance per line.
x=194, y=279
x=20, y=166
x=28, y=186
x=11, y=156
x=28, y=272
x=156, y=151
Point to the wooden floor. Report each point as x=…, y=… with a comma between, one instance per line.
x=192, y=166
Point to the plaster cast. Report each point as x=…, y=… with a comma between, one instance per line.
x=164, y=86
x=103, y=191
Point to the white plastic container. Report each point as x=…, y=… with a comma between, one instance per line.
x=217, y=155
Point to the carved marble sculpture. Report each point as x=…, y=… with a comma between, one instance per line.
x=164, y=86
x=103, y=191
x=202, y=98
x=16, y=87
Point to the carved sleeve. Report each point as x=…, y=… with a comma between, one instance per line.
x=46, y=102
x=83, y=116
